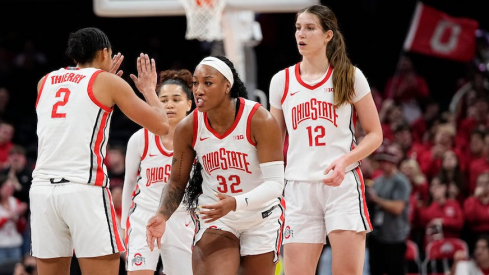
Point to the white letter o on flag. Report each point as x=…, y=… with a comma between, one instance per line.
x=445, y=47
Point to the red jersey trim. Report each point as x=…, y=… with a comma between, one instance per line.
x=117, y=237
x=40, y=90
x=196, y=127
x=299, y=79
x=362, y=190
x=146, y=144
x=100, y=175
x=286, y=86
x=248, y=123
x=231, y=129
x=92, y=96
x=160, y=148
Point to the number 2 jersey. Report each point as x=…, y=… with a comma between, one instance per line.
x=72, y=129
x=229, y=161
x=319, y=133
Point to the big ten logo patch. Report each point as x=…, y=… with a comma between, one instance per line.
x=288, y=232
x=238, y=137
x=138, y=259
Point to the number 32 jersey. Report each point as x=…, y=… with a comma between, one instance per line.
x=318, y=132
x=72, y=129
x=229, y=162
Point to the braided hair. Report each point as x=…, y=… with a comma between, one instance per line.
x=84, y=44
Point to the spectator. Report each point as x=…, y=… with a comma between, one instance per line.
x=420, y=127
x=451, y=173
x=466, y=95
x=11, y=209
x=430, y=160
x=476, y=168
x=477, y=119
x=419, y=183
x=116, y=165
x=478, y=265
x=391, y=117
x=390, y=197
x=404, y=137
x=476, y=210
x=21, y=176
x=18, y=172
x=476, y=148
x=407, y=88
x=442, y=211
x=6, y=135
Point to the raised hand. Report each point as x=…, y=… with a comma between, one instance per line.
x=155, y=228
x=116, y=63
x=147, y=77
x=215, y=211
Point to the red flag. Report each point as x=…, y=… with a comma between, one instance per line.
x=435, y=33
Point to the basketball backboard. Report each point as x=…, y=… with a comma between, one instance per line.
x=136, y=8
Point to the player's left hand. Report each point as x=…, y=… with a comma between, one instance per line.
x=335, y=173
x=116, y=63
x=155, y=228
x=210, y=213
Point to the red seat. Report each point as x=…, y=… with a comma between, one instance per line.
x=413, y=260
x=439, y=255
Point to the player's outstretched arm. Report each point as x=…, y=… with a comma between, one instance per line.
x=174, y=190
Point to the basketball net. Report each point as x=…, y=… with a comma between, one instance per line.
x=203, y=19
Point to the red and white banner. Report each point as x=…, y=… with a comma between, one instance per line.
x=435, y=33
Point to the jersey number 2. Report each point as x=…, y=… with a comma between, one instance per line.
x=61, y=102
x=318, y=133
x=234, y=181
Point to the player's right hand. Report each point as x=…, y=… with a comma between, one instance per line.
x=147, y=77
x=155, y=229
x=116, y=63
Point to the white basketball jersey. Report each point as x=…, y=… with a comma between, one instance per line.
x=154, y=171
x=72, y=129
x=318, y=132
x=229, y=162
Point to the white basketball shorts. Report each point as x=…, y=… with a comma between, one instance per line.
x=258, y=231
x=315, y=209
x=67, y=217
x=176, y=243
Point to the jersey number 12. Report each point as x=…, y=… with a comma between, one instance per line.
x=316, y=135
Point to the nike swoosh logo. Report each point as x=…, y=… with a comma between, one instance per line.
x=246, y=200
x=291, y=94
x=202, y=139
x=186, y=225
x=151, y=155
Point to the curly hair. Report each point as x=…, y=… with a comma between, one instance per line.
x=182, y=77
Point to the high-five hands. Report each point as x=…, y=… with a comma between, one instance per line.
x=147, y=77
x=116, y=63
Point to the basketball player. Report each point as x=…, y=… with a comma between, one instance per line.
x=317, y=102
x=148, y=164
x=237, y=182
x=71, y=204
